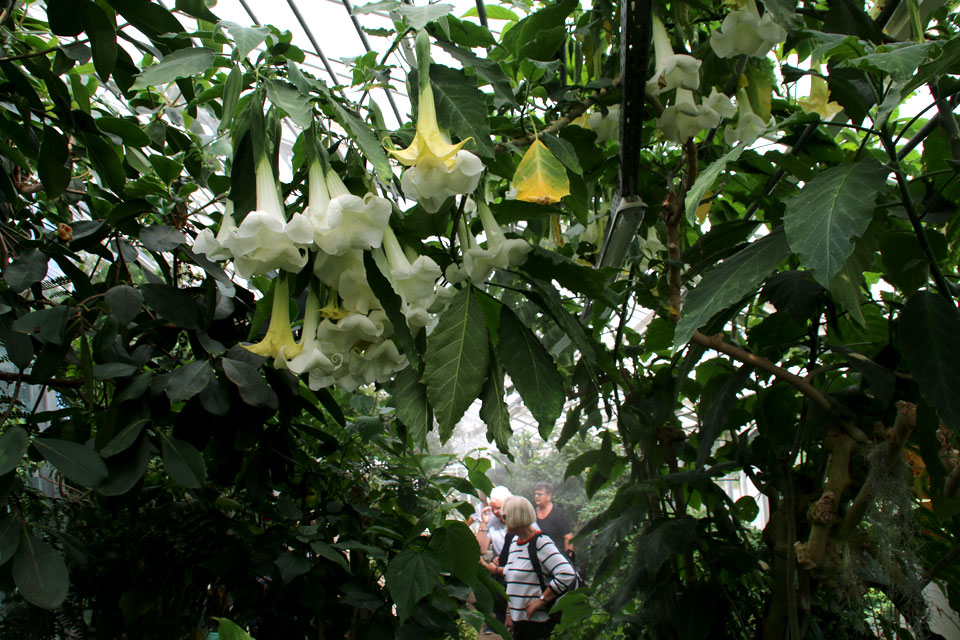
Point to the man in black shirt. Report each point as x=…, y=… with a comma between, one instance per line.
x=551, y=518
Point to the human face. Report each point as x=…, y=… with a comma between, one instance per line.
x=496, y=506
x=541, y=498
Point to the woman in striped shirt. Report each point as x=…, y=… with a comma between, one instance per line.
x=528, y=603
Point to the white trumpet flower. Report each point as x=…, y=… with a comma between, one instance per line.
x=674, y=70
x=685, y=119
x=265, y=240
x=341, y=220
x=750, y=126
x=214, y=247
x=744, y=32
x=413, y=281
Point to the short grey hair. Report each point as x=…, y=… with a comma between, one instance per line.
x=500, y=493
x=518, y=512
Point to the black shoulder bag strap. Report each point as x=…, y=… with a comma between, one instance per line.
x=535, y=561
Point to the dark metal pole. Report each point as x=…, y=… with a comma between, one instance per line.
x=366, y=45
x=313, y=41
x=627, y=210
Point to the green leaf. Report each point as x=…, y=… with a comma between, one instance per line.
x=197, y=9
x=126, y=468
x=564, y=151
x=246, y=38
x=410, y=400
x=486, y=69
x=188, y=380
x=77, y=462
x=904, y=263
x=53, y=163
x=534, y=36
x=365, y=139
x=125, y=302
x=328, y=552
x=111, y=370
x=13, y=445
x=106, y=162
x=103, y=38
x=830, y=211
x=705, y=180
x=46, y=325
x=494, y=12
x=532, y=371
x=457, y=548
x=898, y=60
x=10, y=526
x=550, y=265
x=253, y=390
x=664, y=538
x=174, y=305
x=40, y=574
x=410, y=576
x=183, y=462
x=231, y=96
x=461, y=107
x=945, y=63
x=729, y=282
x=230, y=631
x=183, y=63
x=418, y=17
x=494, y=411
x=29, y=268
x=129, y=131
x=295, y=104
x=930, y=340
x=456, y=360
x=125, y=438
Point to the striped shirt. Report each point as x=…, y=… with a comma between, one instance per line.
x=522, y=583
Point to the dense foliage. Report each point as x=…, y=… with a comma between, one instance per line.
x=246, y=370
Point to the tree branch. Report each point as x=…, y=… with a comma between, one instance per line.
x=717, y=344
x=72, y=383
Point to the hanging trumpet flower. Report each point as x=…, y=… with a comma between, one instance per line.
x=413, y=281
x=673, y=70
x=744, y=32
x=342, y=221
x=278, y=343
x=438, y=168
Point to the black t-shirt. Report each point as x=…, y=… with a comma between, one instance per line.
x=556, y=526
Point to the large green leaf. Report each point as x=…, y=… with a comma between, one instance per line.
x=10, y=526
x=729, y=282
x=944, y=63
x=522, y=39
x=455, y=365
x=457, y=548
x=706, y=179
x=930, y=339
x=246, y=38
x=184, y=464
x=40, y=574
x=176, y=305
x=830, y=212
x=410, y=400
x=532, y=371
x=550, y=265
x=229, y=630
x=899, y=60
x=365, y=138
x=79, y=463
x=125, y=302
x=188, y=380
x=253, y=390
x=410, y=576
x=13, y=445
x=126, y=468
x=295, y=104
x=461, y=106
x=53, y=163
x=486, y=69
x=103, y=38
x=494, y=411
x=183, y=63
x=29, y=268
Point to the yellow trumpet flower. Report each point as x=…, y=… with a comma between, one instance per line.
x=278, y=343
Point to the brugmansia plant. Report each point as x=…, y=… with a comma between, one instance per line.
x=698, y=241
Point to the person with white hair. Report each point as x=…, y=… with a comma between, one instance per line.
x=493, y=523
